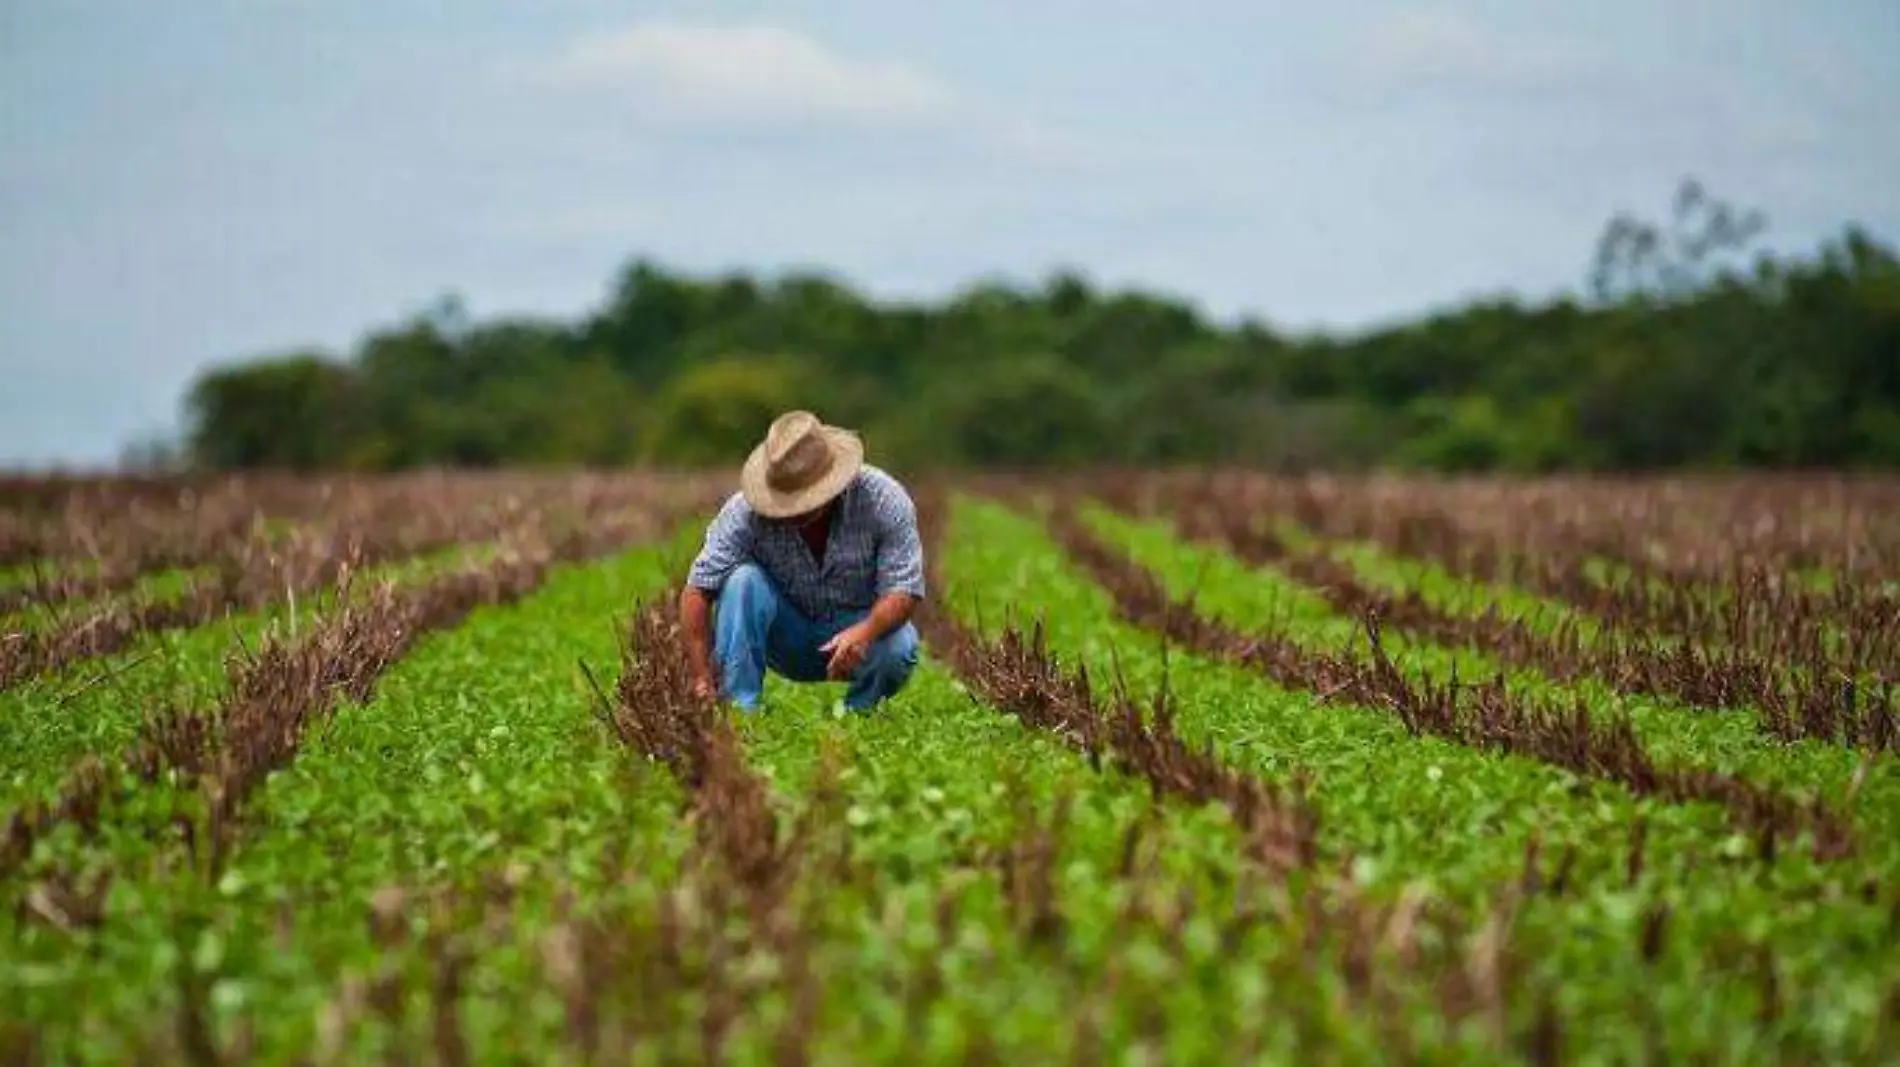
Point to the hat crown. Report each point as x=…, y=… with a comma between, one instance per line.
x=801, y=465
x=796, y=453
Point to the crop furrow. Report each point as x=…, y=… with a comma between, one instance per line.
x=1791, y=957
x=476, y=753
x=1827, y=678
x=748, y=865
x=1594, y=557
x=252, y=574
x=1016, y=674
x=1337, y=927
x=228, y=528
x=275, y=694
x=44, y=589
x=656, y=715
x=1488, y=981
x=673, y=967
x=115, y=626
x=1797, y=694
x=1486, y=715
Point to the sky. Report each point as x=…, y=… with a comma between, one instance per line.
x=197, y=182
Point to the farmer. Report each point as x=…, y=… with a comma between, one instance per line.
x=815, y=566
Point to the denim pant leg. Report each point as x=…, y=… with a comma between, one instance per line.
x=887, y=666
x=755, y=628
x=791, y=648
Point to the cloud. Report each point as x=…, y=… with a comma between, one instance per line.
x=749, y=74
x=1440, y=46
x=790, y=90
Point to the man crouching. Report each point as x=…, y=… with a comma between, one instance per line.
x=815, y=566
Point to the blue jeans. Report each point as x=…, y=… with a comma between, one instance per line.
x=755, y=628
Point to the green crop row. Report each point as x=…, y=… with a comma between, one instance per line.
x=19, y=575
x=97, y=706
x=479, y=759
x=476, y=752
x=1442, y=587
x=1459, y=593
x=1461, y=821
x=157, y=585
x=423, y=787
x=1721, y=739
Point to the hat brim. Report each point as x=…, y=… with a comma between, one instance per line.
x=847, y=452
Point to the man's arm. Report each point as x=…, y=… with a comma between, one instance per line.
x=900, y=580
x=696, y=631
x=728, y=544
x=891, y=611
x=900, y=546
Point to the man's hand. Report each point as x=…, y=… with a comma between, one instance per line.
x=853, y=643
x=704, y=689
x=847, y=649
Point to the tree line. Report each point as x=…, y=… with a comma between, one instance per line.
x=1685, y=348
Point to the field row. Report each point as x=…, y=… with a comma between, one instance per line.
x=1141, y=794
x=1814, y=661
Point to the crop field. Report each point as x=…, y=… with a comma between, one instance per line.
x=1198, y=767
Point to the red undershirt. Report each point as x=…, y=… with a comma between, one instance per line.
x=816, y=537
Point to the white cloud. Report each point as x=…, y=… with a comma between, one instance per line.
x=748, y=74
x=1444, y=46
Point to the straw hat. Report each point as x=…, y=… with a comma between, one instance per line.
x=800, y=466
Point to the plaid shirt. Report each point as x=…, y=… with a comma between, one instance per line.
x=874, y=549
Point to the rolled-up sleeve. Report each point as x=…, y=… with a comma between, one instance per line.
x=728, y=543
x=900, y=548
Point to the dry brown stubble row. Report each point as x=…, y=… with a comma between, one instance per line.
x=1799, y=691
x=1679, y=527
x=70, y=515
x=132, y=525
x=47, y=494
x=1017, y=675
x=1488, y=715
x=670, y=963
x=656, y=714
x=1723, y=588
x=683, y=975
x=276, y=692
x=749, y=865
x=1382, y=949
x=631, y=978
x=1814, y=664
x=230, y=531
x=256, y=574
x=220, y=527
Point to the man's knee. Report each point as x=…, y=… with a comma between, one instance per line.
x=748, y=590
x=895, y=654
x=747, y=603
x=886, y=669
x=747, y=582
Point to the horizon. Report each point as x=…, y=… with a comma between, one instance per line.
x=221, y=181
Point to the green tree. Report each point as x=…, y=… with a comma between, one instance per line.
x=288, y=411
x=1034, y=411
x=713, y=414
x=1679, y=352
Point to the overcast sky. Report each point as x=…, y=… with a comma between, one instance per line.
x=195, y=181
